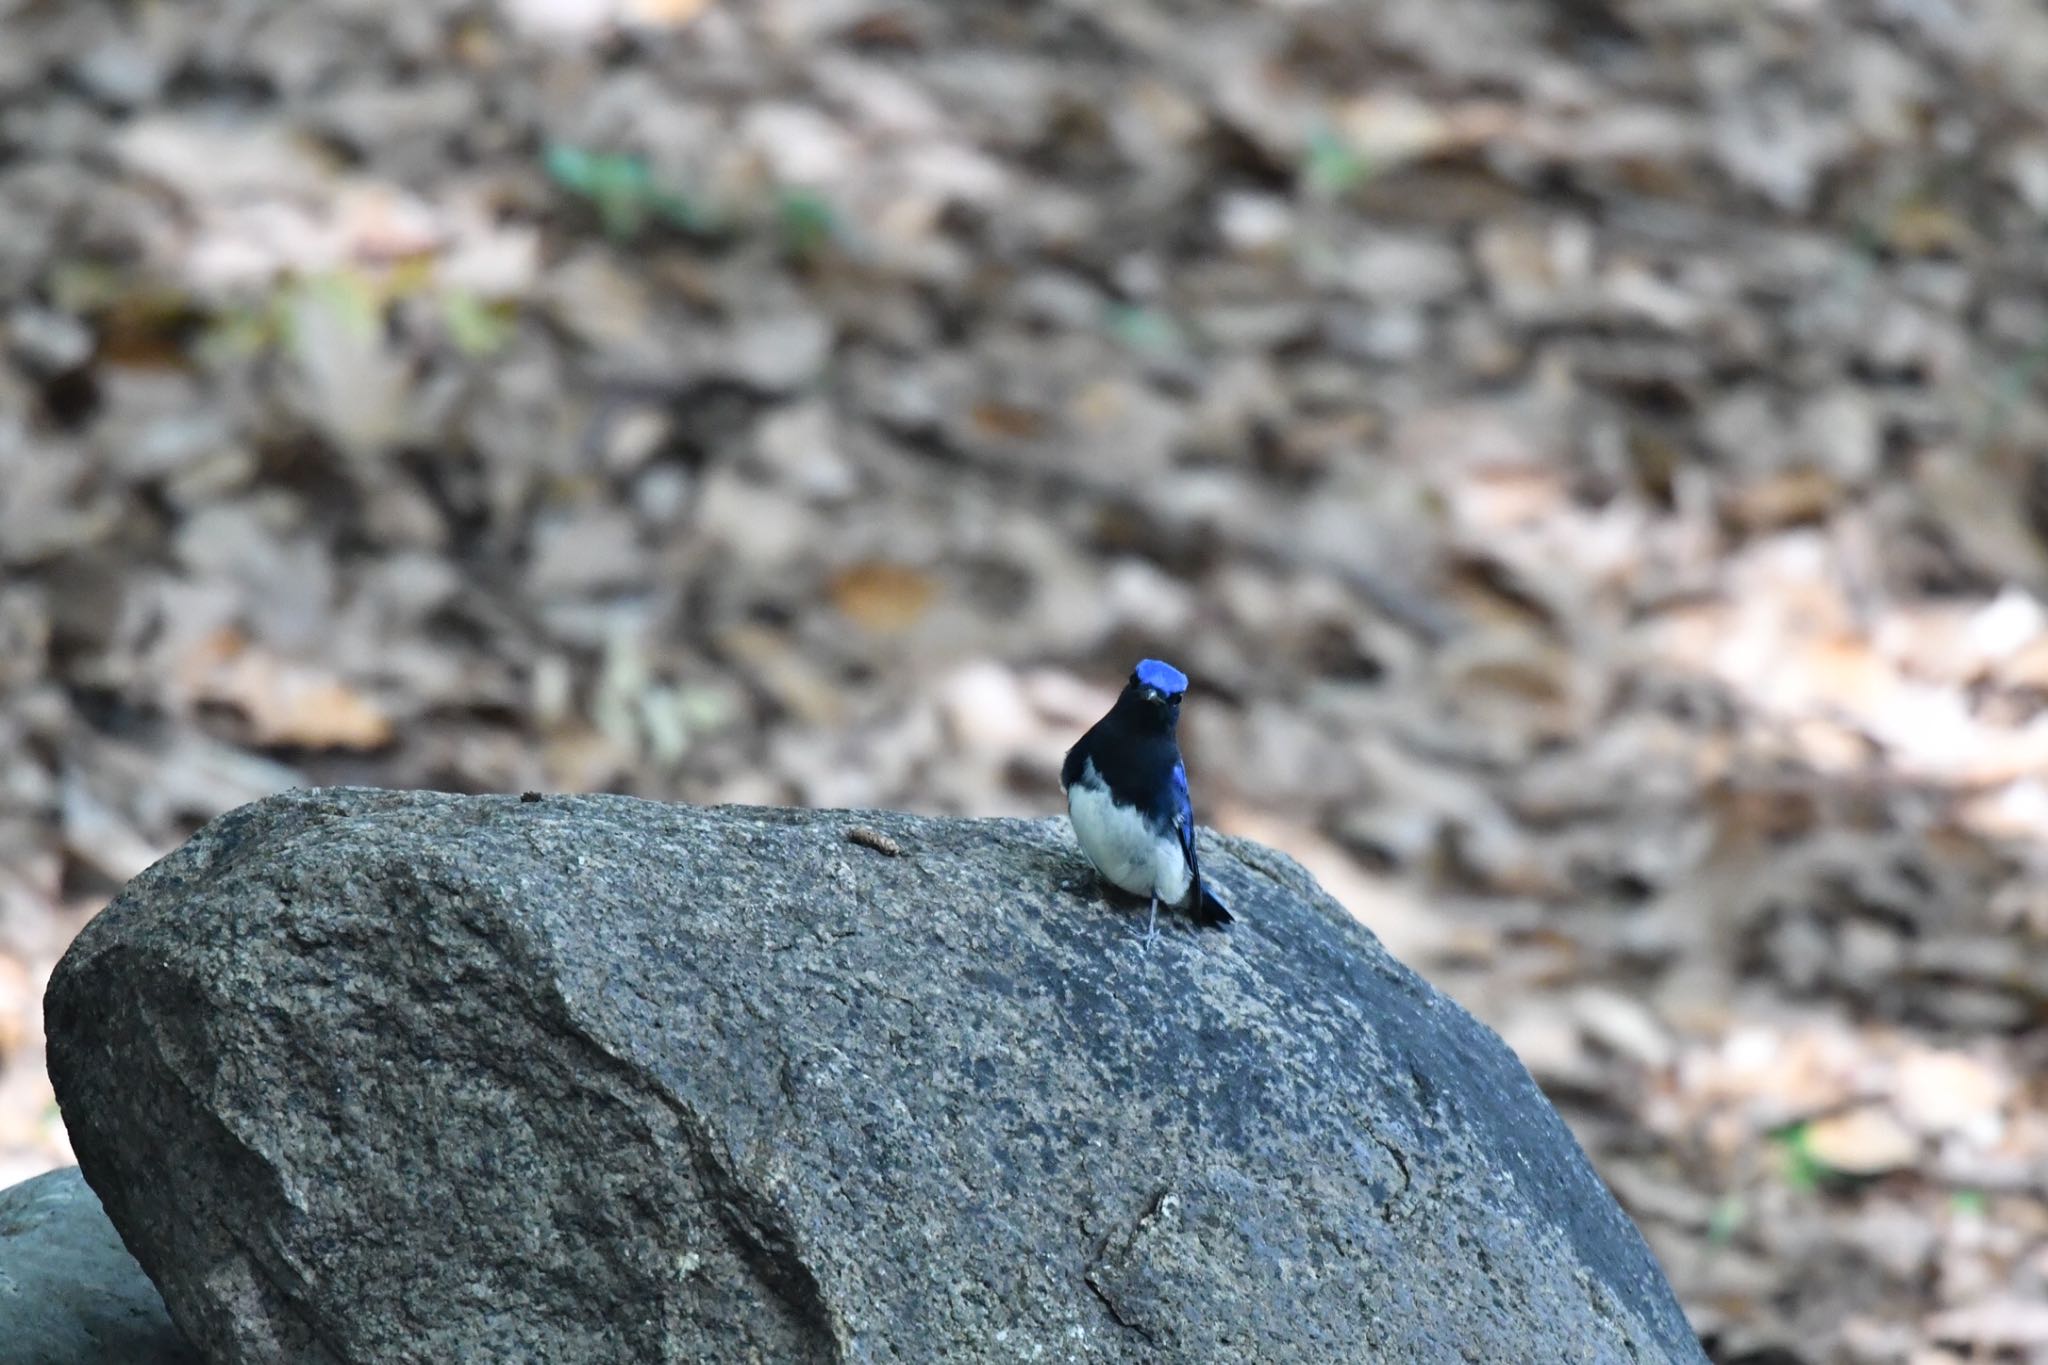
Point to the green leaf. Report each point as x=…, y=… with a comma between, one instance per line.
x=569, y=167
x=1333, y=166
x=239, y=334
x=1803, y=1171
x=1146, y=330
x=341, y=304
x=1730, y=1212
x=663, y=727
x=619, y=186
x=476, y=327
x=687, y=213
x=705, y=708
x=806, y=221
x=85, y=286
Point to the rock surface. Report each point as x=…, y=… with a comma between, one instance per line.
x=379, y=1076
x=70, y=1294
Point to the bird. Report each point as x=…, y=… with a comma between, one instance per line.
x=1127, y=798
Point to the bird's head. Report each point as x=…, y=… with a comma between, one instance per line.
x=1152, y=697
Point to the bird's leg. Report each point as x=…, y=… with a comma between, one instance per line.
x=1152, y=922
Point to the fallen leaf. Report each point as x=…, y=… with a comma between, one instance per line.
x=1405, y=923
x=1994, y=1324
x=352, y=380
x=1920, y=228
x=102, y=837
x=2027, y=667
x=1942, y=1092
x=665, y=13
x=1624, y=1025
x=987, y=711
x=285, y=701
x=880, y=596
x=1863, y=1141
x=1793, y=498
x=1006, y=420
x=19, y=1004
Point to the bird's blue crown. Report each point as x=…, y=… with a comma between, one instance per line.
x=1163, y=676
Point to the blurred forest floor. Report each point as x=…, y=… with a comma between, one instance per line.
x=1592, y=457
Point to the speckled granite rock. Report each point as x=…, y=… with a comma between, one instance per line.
x=70, y=1294
x=369, y=1076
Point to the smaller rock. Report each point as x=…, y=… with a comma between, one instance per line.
x=119, y=72
x=70, y=1294
x=801, y=444
x=46, y=342
x=1533, y=269
x=1411, y=270
x=584, y=550
x=1253, y=224
x=777, y=353
x=1389, y=335
x=1839, y=430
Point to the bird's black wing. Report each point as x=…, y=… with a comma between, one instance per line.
x=1202, y=902
x=1076, y=760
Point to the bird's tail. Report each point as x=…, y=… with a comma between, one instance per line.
x=1210, y=911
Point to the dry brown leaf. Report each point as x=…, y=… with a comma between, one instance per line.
x=790, y=675
x=665, y=13
x=2028, y=667
x=19, y=1005
x=1500, y=498
x=1624, y=1025
x=581, y=758
x=1409, y=928
x=1537, y=674
x=1788, y=499
x=1391, y=128
x=1774, y=1076
x=880, y=596
x=1006, y=420
x=1921, y=228
x=146, y=329
x=285, y=701
x=1864, y=1141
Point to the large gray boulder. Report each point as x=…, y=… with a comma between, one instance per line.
x=367, y=1076
x=70, y=1294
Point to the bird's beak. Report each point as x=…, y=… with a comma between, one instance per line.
x=1154, y=695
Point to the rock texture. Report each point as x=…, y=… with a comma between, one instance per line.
x=369, y=1076
x=70, y=1294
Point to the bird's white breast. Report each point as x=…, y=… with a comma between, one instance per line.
x=1122, y=845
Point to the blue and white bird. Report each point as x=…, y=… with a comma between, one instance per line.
x=1127, y=796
